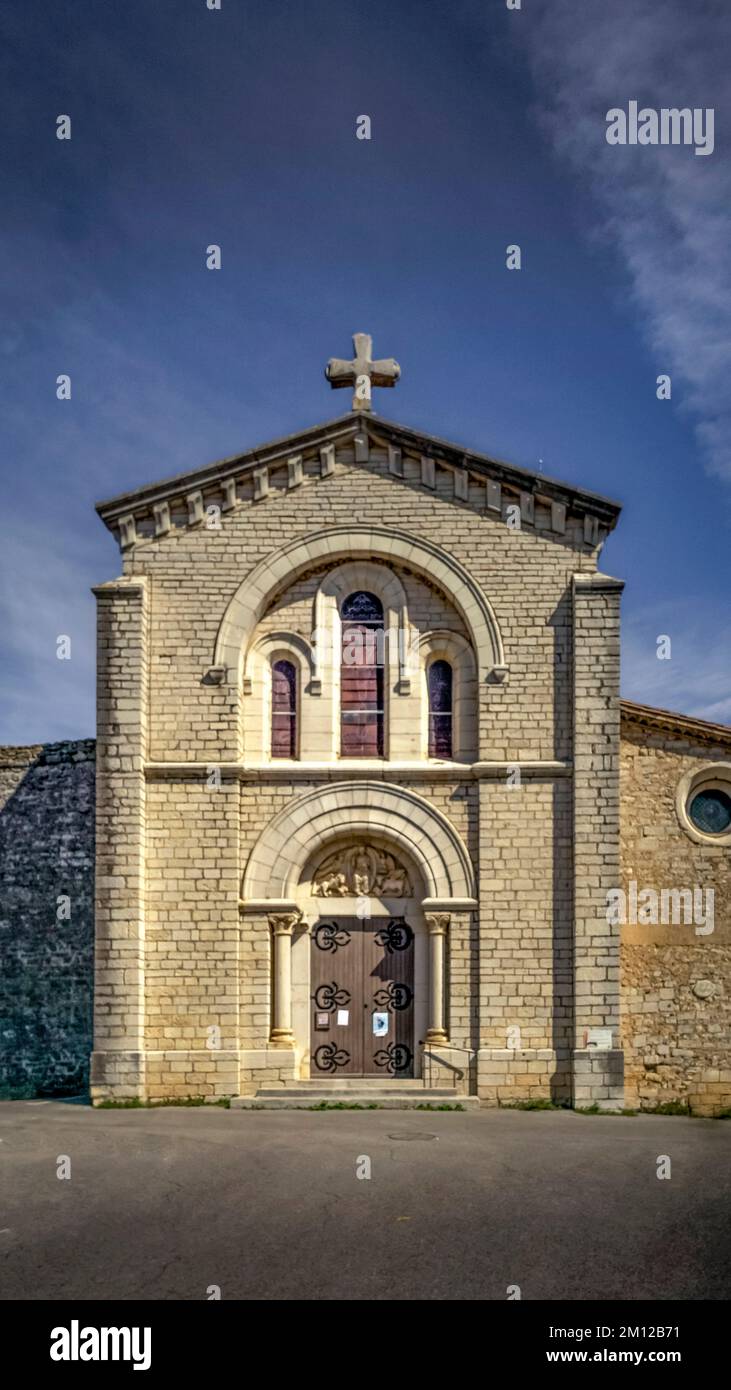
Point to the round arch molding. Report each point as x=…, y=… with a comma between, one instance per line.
x=337, y=543
x=278, y=859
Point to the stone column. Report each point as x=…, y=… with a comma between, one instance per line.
x=437, y=925
x=282, y=927
x=597, y=1069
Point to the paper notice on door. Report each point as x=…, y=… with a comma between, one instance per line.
x=380, y=1025
x=343, y=1018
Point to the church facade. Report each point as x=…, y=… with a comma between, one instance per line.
x=358, y=808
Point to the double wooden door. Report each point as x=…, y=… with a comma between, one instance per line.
x=362, y=997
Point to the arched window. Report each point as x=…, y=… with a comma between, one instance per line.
x=284, y=710
x=439, y=679
x=361, y=676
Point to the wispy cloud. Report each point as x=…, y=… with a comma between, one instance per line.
x=666, y=209
x=696, y=679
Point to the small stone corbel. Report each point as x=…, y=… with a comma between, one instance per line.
x=127, y=531
x=215, y=675
x=498, y=675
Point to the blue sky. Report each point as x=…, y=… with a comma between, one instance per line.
x=237, y=127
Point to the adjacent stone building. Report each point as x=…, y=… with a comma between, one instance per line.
x=365, y=790
x=675, y=785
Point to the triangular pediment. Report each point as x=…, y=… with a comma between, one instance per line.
x=410, y=456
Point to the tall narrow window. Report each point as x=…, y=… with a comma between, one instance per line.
x=284, y=710
x=439, y=681
x=361, y=677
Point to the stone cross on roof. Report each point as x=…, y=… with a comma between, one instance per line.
x=362, y=373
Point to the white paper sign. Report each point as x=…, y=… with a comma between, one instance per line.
x=380, y=1025
x=343, y=1017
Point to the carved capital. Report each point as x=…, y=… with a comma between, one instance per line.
x=284, y=923
x=437, y=923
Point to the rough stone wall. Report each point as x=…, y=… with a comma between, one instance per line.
x=676, y=983
x=46, y=979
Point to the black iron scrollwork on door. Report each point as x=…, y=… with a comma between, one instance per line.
x=397, y=936
x=394, y=995
x=329, y=1057
x=330, y=935
x=331, y=997
x=396, y=1057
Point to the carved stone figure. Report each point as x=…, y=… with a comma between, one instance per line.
x=332, y=885
x=362, y=873
x=394, y=881
x=360, y=870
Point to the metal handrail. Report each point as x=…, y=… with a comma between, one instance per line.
x=434, y=1056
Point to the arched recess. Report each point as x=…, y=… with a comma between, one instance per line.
x=278, y=859
x=402, y=709
x=450, y=646
x=268, y=648
x=378, y=579
x=352, y=542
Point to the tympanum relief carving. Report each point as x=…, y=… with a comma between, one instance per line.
x=361, y=869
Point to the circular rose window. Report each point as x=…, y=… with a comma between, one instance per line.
x=703, y=804
x=710, y=811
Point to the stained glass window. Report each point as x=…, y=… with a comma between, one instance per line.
x=361, y=677
x=284, y=710
x=710, y=811
x=439, y=681
x=362, y=607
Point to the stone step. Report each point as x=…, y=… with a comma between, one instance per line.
x=360, y=1083
x=388, y=1098
x=320, y=1088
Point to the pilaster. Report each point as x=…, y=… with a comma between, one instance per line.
x=597, y=1069
x=117, y=1066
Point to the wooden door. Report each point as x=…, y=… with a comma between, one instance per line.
x=362, y=997
x=388, y=984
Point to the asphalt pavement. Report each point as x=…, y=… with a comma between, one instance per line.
x=175, y=1203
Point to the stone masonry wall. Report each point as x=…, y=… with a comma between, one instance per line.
x=676, y=983
x=46, y=979
x=194, y=571
x=196, y=845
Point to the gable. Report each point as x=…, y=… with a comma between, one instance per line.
x=409, y=458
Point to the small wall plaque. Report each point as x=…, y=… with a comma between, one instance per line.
x=599, y=1038
x=322, y=1020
